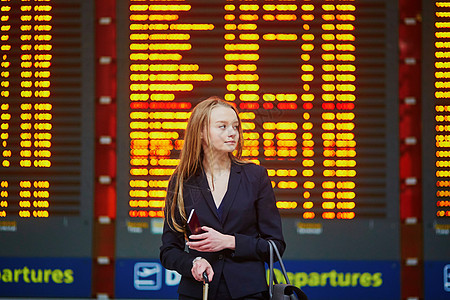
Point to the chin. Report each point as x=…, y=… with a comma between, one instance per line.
x=229, y=150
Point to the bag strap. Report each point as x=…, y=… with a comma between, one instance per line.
x=283, y=269
x=270, y=270
x=273, y=248
x=281, y=289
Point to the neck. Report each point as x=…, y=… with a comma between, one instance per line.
x=216, y=164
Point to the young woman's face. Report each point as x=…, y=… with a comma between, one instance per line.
x=223, y=130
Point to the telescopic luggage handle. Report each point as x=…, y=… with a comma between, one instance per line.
x=205, y=286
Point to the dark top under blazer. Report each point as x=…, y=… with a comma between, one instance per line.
x=249, y=213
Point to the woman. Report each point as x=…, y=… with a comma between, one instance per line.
x=234, y=202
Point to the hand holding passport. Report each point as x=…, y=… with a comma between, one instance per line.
x=194, y=223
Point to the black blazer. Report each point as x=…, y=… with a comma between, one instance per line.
x=249, y=213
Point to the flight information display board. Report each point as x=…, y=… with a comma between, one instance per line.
x=315, y=84
x=46, y=128
x=436, y=147
x=436, y=120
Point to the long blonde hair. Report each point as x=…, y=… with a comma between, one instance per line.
x=191, y=158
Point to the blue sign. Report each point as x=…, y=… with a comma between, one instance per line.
x=437, y=280
x=346, y=280
x=145, y=279
x=45, y=277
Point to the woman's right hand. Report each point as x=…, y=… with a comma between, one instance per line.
x=200, y=266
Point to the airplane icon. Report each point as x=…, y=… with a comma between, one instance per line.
x=145, y=272
x=147, y=276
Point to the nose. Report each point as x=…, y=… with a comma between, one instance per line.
x=232, y=131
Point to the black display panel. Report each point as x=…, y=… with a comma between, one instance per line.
x=316, y=86
x=436, y=129
x=46, y=128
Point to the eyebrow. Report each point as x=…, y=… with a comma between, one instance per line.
x=221, y=121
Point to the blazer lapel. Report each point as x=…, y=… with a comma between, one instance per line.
x=204, y=187
x=233, y=186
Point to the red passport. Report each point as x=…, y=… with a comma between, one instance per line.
x=194, y=223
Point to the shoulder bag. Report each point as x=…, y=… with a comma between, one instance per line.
x=279, y=291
